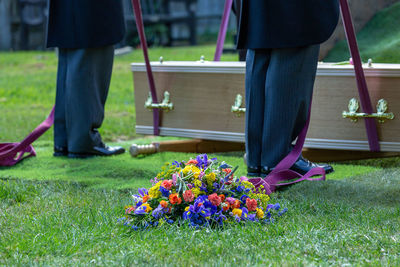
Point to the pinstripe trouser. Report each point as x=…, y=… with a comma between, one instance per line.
x=83, y=80
x=279, y=87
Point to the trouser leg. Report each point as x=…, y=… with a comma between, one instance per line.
x=288, y=92
x=60, y=131
x=256, y=69
x=87, y=83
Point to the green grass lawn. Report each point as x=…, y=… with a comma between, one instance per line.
x=378, y=40
x=60, y=211
x=28, y=85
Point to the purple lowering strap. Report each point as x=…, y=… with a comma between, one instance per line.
x=282, y=171
x=12, y=153
x=140, y=27
x=222, y=30
x=365, y=100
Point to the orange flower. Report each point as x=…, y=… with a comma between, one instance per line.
x=236, y=205
x=214, y=199
x=222, y=196
x=226, y=206
x=188, y=196
x=192, y=161
x=251, y=204
x=146, y=198
x=175, y=199
x=164, y=203
x=167, y=184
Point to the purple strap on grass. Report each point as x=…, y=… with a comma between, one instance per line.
x=12, y=153
x=222, y=30
x=140, y=27
x=370, y=123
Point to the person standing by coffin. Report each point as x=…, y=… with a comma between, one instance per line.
x=282, y=39
x=84, y=32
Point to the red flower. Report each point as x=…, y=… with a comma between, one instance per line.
x=188, y=196
x=251, y=204
x=192, y=161
x=222, y=196
x=214, y=199
x=175, y=199
x=167, y=184
x=227, y=170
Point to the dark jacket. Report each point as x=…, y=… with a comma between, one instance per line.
x=286, y=23
x=85, y=23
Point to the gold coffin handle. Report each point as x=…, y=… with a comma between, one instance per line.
x=236, y=108
x=164, y=105
x=381, y=113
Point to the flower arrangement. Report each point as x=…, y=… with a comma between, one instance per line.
x=199, y=192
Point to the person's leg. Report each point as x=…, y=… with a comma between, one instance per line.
x=256, y=69
x=60, y=131
x=88, y=80
x=288, y=92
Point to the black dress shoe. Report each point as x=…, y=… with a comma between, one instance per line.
x=265, y=170
x=303, y=165
x=253, y=171
x=60, y=151
x=100, y=150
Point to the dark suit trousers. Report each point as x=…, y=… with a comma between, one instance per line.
x=279, y=87
x=83, y=81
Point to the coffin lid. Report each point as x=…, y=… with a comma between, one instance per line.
x=234, y=67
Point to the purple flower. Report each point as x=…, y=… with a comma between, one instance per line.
x=143, y=192
x=174, y=179
x=197, y=208
x=140, y=211
x=245, y=213
x=159, y=212
x=252, y=217
x=154, y=181
x=202, y=161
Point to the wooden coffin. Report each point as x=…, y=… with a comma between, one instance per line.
x=203, y=93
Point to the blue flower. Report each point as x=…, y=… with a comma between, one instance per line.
x=282, y=212
x=243, y=198
x=219, y=217
x=164, y=192
x=240, y=188
x=277, y=206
